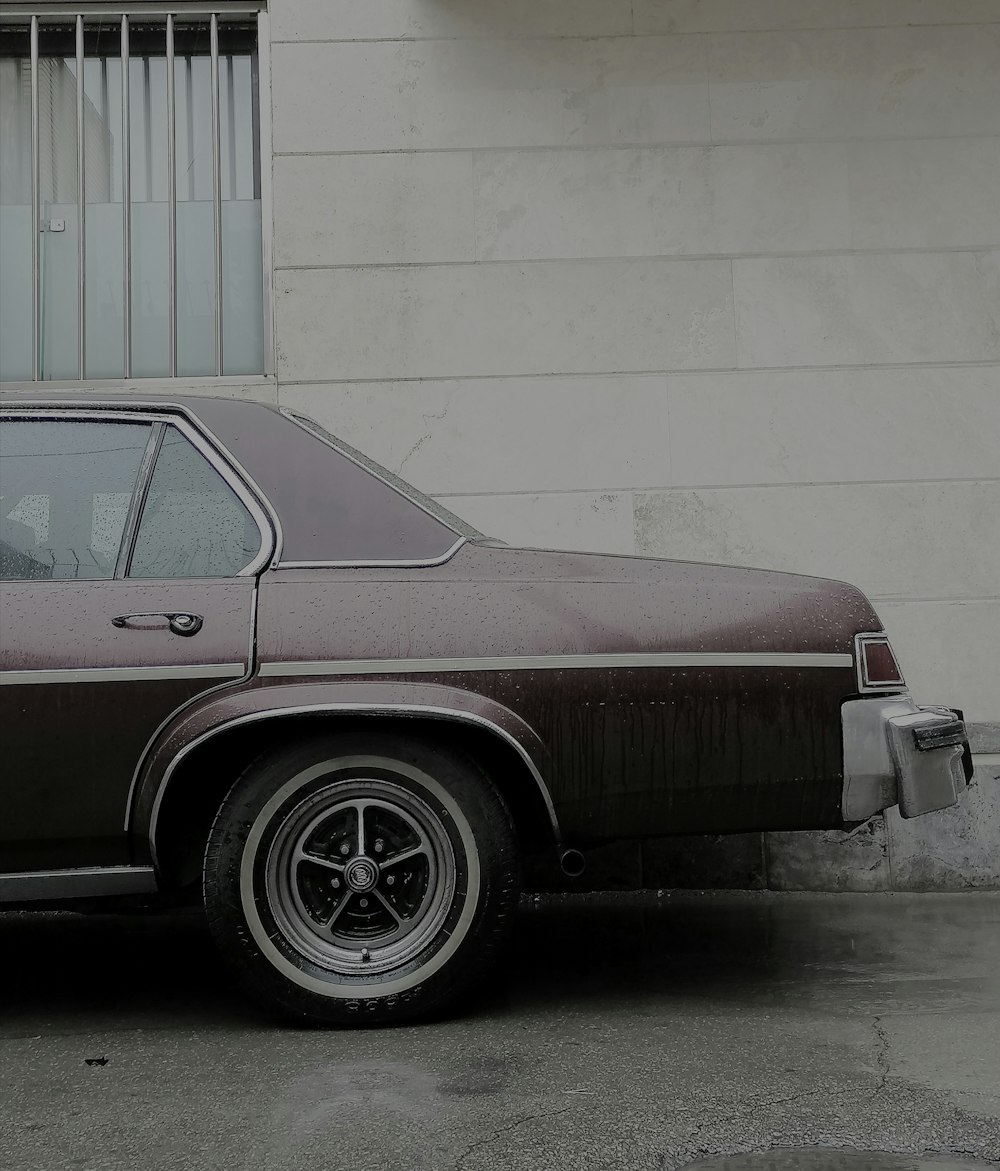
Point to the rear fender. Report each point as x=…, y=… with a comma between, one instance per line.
x=218, y=714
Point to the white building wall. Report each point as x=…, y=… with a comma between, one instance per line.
x=710, y=279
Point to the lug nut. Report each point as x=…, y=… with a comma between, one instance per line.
x=364, y=902
x=345, y=849
x=379, y=845
x=336, y=884
x=389, y=880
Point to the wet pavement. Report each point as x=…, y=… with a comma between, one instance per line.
x=811, y=1159
x=628, y=1032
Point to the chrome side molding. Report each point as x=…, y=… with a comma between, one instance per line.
x=83, y=883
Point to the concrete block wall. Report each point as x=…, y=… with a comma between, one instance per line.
x=709, y=279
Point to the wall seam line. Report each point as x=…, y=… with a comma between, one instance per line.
x=640, y=258
x=651, y=35
x=659, y=144
x=520, y=375
x=645, y=490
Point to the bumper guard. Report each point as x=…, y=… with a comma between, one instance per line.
x=896, y=753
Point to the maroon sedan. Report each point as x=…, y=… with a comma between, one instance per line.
x=242, y=663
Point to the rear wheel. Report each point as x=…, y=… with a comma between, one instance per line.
x=361, y=878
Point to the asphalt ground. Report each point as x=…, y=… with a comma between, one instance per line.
x=761, y=1031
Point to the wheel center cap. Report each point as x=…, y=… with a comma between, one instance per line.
x=361, y=874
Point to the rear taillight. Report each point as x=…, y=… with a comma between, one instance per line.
x=877, y=666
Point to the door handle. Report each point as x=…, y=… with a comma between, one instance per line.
x=180, y=623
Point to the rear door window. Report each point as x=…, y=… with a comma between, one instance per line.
x=65, y=491
x=193, y=524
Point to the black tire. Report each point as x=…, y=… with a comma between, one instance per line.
x=315, y=926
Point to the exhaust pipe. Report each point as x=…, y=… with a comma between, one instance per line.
x=573, y=863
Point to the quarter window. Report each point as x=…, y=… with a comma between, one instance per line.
x=193, y=524
x=130, y=196
x=65, y=490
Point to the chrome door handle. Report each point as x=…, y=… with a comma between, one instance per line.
x=180, y=623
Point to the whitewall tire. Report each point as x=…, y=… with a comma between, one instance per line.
x=361, y=878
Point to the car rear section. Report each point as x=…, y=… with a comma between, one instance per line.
x=670, y=697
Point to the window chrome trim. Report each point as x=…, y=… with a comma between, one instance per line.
x=374, y=709
x=246, y=487
x=385, y=563
x=17, y=13
x=662, y=660
x=201, y=437
x=194, y=385
x=138, y=501
x=82, y=882
x=259, y=517
x=865, y=684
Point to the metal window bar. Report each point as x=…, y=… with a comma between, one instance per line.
x=255, y=120
x=216, y=189
x=36, y=240
x=126, y=207
x=171, y=203
x=261, y=106
x=189, y=120
x=261, y=128
x=147, y=128
x=106, y=119
x=81, y=210
x=231, y=124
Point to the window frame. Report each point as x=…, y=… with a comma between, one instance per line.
x=158, y=421
x=41, y=12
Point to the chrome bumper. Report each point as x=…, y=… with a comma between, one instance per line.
x=896, y=753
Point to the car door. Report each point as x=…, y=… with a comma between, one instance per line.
x=128, y=559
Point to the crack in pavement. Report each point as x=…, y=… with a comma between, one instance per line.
x=881, y=1052
x=881, y=1063
x=689, y=1153
x=476, y=1146
x=755, y=1107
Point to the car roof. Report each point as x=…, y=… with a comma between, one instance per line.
x=333, y=506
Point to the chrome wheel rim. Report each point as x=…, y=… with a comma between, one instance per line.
x=360, y=876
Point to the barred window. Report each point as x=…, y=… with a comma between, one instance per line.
x=130, y=196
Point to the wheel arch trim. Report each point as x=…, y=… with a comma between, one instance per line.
x=444, y=714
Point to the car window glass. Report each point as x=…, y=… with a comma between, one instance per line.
x=193, y=524
x=65, y=490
